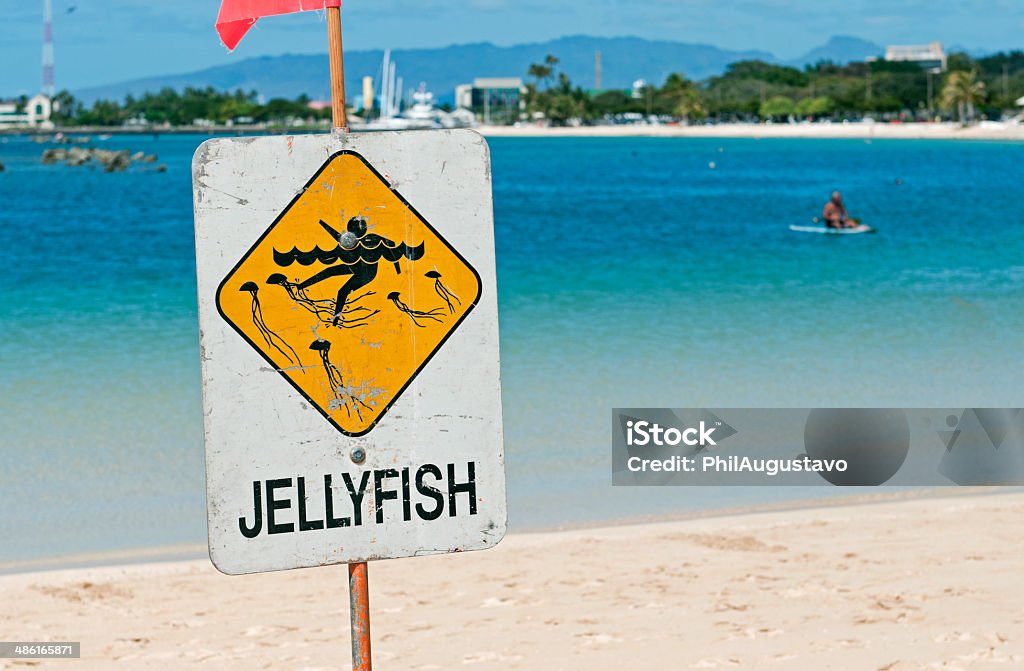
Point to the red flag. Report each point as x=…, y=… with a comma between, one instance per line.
x=236, y=17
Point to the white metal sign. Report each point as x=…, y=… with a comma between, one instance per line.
x=349, y=327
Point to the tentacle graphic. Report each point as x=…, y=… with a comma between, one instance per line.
x=442, y=291
x=271, y=338
x=415, y=315
x=343, y=397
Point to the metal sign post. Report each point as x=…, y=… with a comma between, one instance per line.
x=338, y=111
x=359, y=605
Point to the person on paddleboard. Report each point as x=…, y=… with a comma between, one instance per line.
x=835, y=215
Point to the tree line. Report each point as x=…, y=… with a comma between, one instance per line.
x=183, y=108
x=755, y=90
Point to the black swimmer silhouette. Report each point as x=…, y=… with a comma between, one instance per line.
x=357, y=253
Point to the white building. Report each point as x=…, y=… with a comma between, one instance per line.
x=37, y=113
x=493, y=99
x=928, y=56
x=489, y=89
x=639, y=89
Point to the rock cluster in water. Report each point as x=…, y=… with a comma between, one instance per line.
x=111, y=161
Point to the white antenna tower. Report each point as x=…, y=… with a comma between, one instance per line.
x=48, y=85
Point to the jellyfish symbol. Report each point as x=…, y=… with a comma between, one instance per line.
x=442, y=291
x=271, y=338
x=352, y=315
x=414, y=315
x=341, y=393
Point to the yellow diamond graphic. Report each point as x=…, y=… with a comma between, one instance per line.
x=349, y=293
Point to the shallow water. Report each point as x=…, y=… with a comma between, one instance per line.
x=630, y=274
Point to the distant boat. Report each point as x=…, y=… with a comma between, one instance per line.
x=422, y=115
x=423, y=110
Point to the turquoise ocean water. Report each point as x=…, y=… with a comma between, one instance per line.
x=630, y=274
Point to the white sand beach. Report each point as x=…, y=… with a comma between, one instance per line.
x=866, y=131
x=922, y=583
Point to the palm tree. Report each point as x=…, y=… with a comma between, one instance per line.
x=539, y=72
x=543, y=72
x=683, y=96
x=962, y=91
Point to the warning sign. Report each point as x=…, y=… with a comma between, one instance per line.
x=349, y=328
x=349, y=293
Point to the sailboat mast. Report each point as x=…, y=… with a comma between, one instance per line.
x=385, y=86
x=391, y=90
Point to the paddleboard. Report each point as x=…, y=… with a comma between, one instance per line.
x=862, y=228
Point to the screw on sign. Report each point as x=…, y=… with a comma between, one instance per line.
x=348, y=318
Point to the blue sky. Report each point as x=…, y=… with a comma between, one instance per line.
x=105, y=41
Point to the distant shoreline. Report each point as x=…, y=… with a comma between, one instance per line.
x=849, y=131
x=144, y=130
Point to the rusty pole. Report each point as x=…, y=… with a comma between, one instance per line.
x=359, y=604
x=338, y=112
